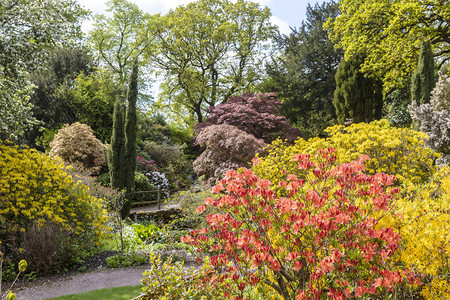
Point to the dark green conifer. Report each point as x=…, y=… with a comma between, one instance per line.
x=116, y=152
x=130, y=140
x=423, y=79
x=356, y=98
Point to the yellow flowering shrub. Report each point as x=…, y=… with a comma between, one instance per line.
x=35, y=191
x=423, y=220
x=396, y=151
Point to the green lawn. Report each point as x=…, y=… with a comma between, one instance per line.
x=118, y=293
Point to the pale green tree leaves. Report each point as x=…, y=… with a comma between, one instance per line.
x=209, y=50
x=117, y=40
x=389, y=33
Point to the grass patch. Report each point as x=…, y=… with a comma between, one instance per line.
x=117, y=293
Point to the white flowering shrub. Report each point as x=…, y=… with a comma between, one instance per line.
x=434, y=118
x=159, y=180
x=78, y=146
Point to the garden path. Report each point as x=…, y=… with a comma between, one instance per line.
x=77, y=283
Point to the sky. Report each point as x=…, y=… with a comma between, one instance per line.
x=285, y=13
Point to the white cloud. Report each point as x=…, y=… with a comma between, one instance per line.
x=282, y=25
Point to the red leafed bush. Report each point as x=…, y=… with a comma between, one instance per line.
x=258, y=115
x=314, y=236
x=227, y=148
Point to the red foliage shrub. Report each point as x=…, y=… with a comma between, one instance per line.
x=258, y=115
x=315, y=236
x=227, y=148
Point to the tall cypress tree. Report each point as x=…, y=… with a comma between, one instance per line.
x=130, y=139
x=116, y=152
x=423, y=79
x=356, y=97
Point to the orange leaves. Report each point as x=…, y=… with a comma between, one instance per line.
x=321, y=226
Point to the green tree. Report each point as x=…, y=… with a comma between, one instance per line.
x=130, y=138
x=92, y=99
x=116, y=152
x=29, y=30
x=423, y=80
x=16, y=114
x=116, y=41
x=390, y=32
x=303, y=75
x=49, y=106
x=356, y=97
x=209, y=50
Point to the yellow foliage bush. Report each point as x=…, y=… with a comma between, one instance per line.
x=422, y=217
x=396, y=151
x=35, y=190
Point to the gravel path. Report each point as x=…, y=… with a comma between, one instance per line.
x=78, y=283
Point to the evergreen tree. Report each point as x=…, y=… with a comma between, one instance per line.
x=130, y=139
x=303, y=75
x=423, y=80
x=356, y=97
x=116, y=152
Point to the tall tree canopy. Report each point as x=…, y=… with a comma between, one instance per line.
x=303, y=75
x=389, y=32
x=209, y=50
x=28, y=31
x=117, y=40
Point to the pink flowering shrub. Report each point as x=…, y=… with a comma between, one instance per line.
x=258, y=115
x=316, y=236
x=227, y=147
x=78, y=146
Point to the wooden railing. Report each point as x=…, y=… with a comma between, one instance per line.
x=158, y=201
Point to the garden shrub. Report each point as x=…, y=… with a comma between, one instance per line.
x=434, y=118
x=169, y=280
x=318, y=237
x=227, y=147
x=141, y=183
x=422, y=216
x=37, y=194
x=258, y=115
x=398, y=151
x=78, y=146
x=189, y=200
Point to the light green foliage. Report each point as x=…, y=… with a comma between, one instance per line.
x=92, y=97
x=126, y=260
x=146, y=232
x=189, y=201
x=390, y=32
x=119, y=39
x=209, y=50
x=78, y=146
x=168, y=280
x=423, y=80
x=356, y=98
